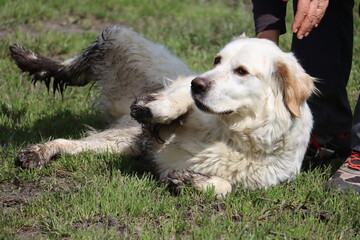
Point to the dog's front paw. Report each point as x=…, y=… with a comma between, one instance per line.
x=140, y=111
x=33, y=157
x=178, y=179
x=154, y=109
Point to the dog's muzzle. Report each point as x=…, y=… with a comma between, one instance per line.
x=199, y=86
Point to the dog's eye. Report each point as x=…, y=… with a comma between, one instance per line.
x=217, y=60
x=241, y=71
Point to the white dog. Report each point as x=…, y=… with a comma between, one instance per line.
x=244, y=122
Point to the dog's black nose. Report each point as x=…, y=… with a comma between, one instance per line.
x=199, y=85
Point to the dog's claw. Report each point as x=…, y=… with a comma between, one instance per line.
x=32, y=157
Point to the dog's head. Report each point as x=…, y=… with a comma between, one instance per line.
x=247, y=71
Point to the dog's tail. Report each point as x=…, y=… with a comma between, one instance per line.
x=77, y=71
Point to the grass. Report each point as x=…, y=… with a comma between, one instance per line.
x=104, y=196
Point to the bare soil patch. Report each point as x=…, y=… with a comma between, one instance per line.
x=69, y=25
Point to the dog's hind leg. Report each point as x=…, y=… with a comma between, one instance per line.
x=122, y=63
x=44, y=69
x=123, y=139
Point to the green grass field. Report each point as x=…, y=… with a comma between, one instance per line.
x=104, y=196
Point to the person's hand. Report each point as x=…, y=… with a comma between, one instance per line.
x=308, y=15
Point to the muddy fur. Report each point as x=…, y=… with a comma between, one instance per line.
x=244, y=122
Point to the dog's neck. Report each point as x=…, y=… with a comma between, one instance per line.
x=255, y=128
x=238, y=119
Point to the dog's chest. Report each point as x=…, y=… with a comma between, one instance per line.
x=200, y=151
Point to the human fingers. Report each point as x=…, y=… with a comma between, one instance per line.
x=301, y=13
x=316, y=12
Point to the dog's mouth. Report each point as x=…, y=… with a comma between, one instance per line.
x=207, y=109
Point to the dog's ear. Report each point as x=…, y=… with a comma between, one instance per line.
x=297, y=84
x=242, y=36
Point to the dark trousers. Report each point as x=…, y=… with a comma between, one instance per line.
x=325, y=54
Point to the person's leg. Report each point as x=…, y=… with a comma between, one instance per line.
x=269, y=18
x=348, y=176
x=326, y=54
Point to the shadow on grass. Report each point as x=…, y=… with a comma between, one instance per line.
x=16, y=133
x=333, y=163
x=63, y=124
x=132, y=166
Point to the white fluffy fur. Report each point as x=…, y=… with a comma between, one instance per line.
x=253, y=133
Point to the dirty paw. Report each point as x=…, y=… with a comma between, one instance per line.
x=156, y=109
x=32, y=157
x=178, y=179
x=139, y=111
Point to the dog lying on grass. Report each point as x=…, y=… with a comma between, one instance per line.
x=244, y=122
